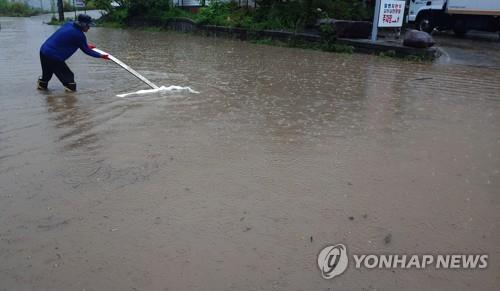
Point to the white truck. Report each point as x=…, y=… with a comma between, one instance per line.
x=459, y=15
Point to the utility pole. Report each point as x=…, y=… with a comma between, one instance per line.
x=375, y=21
x=60, y=9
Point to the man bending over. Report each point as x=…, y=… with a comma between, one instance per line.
x=59, y=47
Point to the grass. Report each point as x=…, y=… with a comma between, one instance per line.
x=55, y=21
x=319, y=46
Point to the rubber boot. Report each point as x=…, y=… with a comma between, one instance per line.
x=41, y=85
x=70, y=87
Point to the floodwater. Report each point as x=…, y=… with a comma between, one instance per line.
x=475, y=49
x=283, y=152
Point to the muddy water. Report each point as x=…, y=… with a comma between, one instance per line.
x=283, y=152
x=475, y=49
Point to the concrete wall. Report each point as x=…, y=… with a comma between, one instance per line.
x=44, y=3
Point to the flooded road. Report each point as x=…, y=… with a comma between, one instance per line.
x=282, y=153
x=476, y=49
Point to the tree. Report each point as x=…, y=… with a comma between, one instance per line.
x=108, y=7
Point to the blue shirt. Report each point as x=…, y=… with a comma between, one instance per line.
x=65, y=41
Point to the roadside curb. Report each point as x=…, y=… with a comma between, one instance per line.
x=389, y=48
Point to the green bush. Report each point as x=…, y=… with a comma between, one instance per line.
x=90, y=5
x=16, y=9
x=299, y=14
x=343, y=9
x=148, y=8
x=217, y=13
x=294, y=15
x=280, y=15
x=176, y=12
x=54, y=21
x=118, y=16
x=68, y=6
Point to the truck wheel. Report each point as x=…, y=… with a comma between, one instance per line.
x=460, y=28
x=425, y=23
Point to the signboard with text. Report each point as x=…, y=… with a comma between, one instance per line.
x=391, y=13
x=79, y=3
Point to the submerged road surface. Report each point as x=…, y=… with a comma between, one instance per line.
x=283, y=152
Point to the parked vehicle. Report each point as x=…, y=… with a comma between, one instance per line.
x=458, y=15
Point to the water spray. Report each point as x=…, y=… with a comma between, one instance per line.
x=154, y=87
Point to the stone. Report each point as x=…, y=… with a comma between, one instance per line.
x=418, y=39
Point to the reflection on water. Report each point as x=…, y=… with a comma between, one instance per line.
x=68, y=115
x=280, y=146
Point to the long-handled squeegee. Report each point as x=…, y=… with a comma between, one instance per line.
x=154, y=89
x=129, y=69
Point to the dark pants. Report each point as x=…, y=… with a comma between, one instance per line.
x=60, y=69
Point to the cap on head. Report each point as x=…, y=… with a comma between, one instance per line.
x=84, y=20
